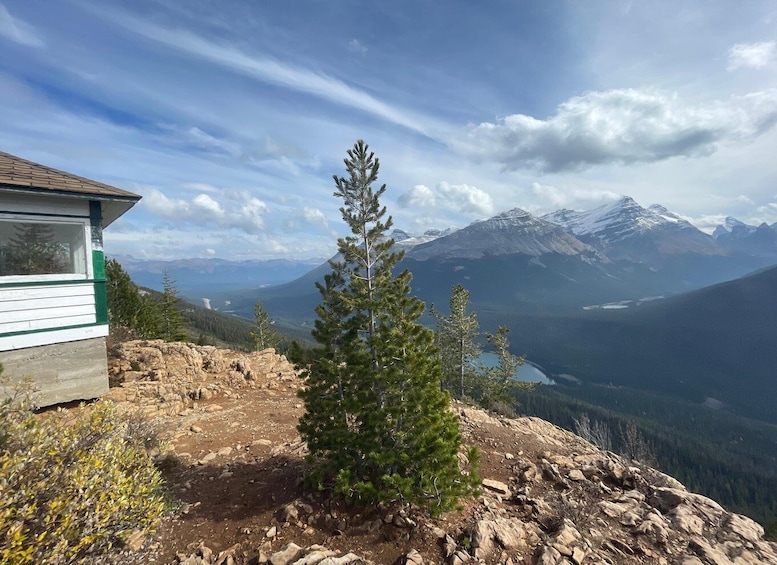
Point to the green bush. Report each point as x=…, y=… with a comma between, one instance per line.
x=70, y=490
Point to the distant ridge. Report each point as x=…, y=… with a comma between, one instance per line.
x=195, y=276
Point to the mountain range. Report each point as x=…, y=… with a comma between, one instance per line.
x=565, y=259
x=561, y=262
x=621, y=230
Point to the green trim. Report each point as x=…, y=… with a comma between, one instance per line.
x=101, y=301
x=46, y=283
x=28, y=332
x=98, y=264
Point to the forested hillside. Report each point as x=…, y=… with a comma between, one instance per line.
x=137, y=312
x=716, y=343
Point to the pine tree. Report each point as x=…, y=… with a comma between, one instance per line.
x=263, y=334
x=456, y=337
x=172, y=320
x=128, y=307
x=123, y=296
x=377, y=425
x=500, y=380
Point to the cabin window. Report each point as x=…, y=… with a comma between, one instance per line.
x=33, y=247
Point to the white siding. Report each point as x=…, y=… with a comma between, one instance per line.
x=24, y=341
x=24, y=309
x=52, y=205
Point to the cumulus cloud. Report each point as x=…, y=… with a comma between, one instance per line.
x=18, y=31
x=707, y=222
x=767, y=213
x=619, y=126
x=420, y=196
x=314, y=216
x=308, y=218
x=745, y=199
x=751, y=55
x=461, y=198
x=572, y=197
x=234, y=209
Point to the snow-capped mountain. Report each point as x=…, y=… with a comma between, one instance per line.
x=611, y=222
x=668, y=215
x=733, y=226
x=759, y=241
x=625, y=230
x=515, y=232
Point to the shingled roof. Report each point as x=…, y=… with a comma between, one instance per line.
x=16, y=172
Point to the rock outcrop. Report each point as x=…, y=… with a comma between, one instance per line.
x=165, y=378
x=578, y=504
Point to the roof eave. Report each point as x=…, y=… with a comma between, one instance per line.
x=116, y=204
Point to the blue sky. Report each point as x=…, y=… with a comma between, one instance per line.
x=230, y=117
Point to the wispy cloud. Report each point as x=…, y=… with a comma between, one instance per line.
x=356, y=46
x=17, y=30
x=619, y=126
x=752, y=55
x=272, y=71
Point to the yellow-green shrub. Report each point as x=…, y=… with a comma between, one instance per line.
x=72, y=490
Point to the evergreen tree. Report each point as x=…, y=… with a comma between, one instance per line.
x=456, y=337
x=123, y=296
x=377, y=425
x=500, y=381
x=150, y=323
x=299, y=354
x=128, y=307
x=263, y=334
x=171, y=318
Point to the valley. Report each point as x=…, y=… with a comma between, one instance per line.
x=648, y=319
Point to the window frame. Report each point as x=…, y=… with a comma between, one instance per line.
x=81, y=222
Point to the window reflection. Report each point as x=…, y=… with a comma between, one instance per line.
x=41, y=248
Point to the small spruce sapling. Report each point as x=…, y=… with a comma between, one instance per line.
x=456, y=337
x=262, y=333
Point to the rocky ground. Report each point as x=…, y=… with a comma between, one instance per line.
x=548, y=496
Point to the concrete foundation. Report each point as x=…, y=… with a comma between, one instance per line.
x=61, y=372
